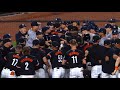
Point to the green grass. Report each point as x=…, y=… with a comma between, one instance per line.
x=14, y=43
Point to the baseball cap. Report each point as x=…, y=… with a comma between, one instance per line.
x=44, y=29
x=35, y=42
x=49, y=23
x=114, y=32
x=86, y=37
x=102, y=30
x=55, y=44
x=96, y=38
x=107, y=41
x=6, y=40
x=22, y=26
x=22, y=40
x=84, y=27
x=115, y=27
x=61, y=31
x=38, y=33
x=112, y=20
x=58, y=19
x=34, y=23
x=108, y=26
x=117, y=41
x=6, y=36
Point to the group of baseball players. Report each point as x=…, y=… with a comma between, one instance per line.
x=62, y=49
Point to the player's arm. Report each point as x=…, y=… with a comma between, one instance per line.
x=116, y=65
x=45, y=59
x=64, y=61
x=115, y=56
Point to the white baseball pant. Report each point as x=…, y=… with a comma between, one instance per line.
x=76, y=72
x=7, y=73
x=58, y=72
x=96, y=71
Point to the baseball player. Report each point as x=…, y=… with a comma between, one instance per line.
x=35, y=51
x=56, y=57
x=9, y=70
x=115, y=58
x=75, y=59
x=26, y=64
x=107, y=68
x=96, y=55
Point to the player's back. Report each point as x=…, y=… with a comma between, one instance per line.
x=74, y=58
x=56, y=58
x=12, y=60
x=27, y=65
x=39, y=55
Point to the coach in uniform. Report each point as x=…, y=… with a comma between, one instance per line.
x=32, y=33
x=22, y=33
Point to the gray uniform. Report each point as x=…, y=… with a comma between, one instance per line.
x=31, y=37
x=102, y=41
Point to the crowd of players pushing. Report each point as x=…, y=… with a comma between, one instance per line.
x=62, y=49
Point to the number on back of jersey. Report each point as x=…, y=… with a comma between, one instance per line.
x=15, y=61
x=74, y=59
x=26, y=66
x=60, y=58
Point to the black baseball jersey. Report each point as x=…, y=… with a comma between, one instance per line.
x=20, y=35
x=109, y=68
x=39, y=55
x=56, y=58
x=96, y=54
x=47, y=37
x=106, y=64
x=12, y=60
x=27, y=64
x=74, y=58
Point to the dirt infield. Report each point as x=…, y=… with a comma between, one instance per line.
x=12, y=27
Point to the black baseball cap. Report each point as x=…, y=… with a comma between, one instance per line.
x=108, y=26
x=55, y=44
x=35, y=42
x=38, y=33
x=44, y=29
x=61, y=31
x=22, y=26
x=6, y=36
x=102, y=30
x=114, y=32
x=117, y=41
x=6, y=40
x=22, y=40
x=84, y=27
x=34, y=23
x=112, y=20
x=107, y=41
x=96, y=38
x=86, y=37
